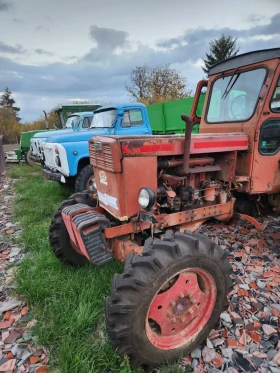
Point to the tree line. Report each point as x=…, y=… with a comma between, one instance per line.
x=148, y=85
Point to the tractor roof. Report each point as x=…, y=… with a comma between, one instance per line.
x=245, y=59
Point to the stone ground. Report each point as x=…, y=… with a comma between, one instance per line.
x=19, y=350
x=247, y=339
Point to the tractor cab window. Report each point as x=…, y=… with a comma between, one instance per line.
x=275, y=102
x=132, y=118
x=270, y=137
x=234, y=98
x=87, y=122
x=73, y=120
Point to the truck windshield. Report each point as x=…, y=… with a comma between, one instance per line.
x=234, y=98
x=75, y=119
x=104, y=119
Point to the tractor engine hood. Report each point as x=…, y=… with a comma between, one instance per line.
x=78, y=136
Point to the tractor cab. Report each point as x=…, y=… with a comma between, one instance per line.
x=243, y=95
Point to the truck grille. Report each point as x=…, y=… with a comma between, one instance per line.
x=49, y=158
x=105, y=156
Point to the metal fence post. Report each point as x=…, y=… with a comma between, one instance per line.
x=2, y=157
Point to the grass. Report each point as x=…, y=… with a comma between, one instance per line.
x=68, y=303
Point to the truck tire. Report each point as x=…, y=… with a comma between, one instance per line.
x=58, y=234
x=28, y=160
x=84, y=179
x=168, y=299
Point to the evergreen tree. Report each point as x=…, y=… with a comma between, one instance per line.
x=220, y=49
x=8, y=103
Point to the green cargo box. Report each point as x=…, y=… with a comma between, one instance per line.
x=166, y=117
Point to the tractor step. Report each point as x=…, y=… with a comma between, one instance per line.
x=91, y=241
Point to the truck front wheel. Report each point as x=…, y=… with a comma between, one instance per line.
x=58, y=234
x=28, y=160
x=85, y=179
x=168, y=299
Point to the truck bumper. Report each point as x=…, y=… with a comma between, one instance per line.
x=35, y=158
x=55, y=176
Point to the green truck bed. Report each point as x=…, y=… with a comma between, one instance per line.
x=166, y=117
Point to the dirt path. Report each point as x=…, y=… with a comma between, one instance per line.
x=19, y=350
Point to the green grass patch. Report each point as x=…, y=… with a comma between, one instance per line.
x=68, y=303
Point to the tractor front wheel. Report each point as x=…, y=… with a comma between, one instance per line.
x=58, y=235
x=168, y=299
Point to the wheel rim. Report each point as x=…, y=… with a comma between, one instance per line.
x=181, y=308
x=89, y=183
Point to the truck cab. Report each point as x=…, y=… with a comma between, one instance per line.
x=75, y=122
x=66, y=156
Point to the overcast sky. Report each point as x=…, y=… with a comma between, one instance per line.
x=53, y=51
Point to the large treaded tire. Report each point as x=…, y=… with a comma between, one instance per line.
x=82, y=178
x=28, y=160
x=58, y=234
x=133, y=292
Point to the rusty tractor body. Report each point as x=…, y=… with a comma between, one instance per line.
x=153, y=192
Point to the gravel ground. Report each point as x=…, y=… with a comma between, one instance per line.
x=247, y=339
x=19, y=349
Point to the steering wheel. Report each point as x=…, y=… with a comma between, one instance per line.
x=238, y=106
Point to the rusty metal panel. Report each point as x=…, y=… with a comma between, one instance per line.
x=174, y=145
x=265, y=175
x=227, y=162
x=118, y=192
x=137, y=173
x=105, y=153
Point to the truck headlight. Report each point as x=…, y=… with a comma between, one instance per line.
x=146, y=198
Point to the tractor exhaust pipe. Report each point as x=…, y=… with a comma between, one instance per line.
x=46, y=120
x=187, y=146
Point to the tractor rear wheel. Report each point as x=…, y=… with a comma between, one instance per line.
x=168, y=299
x=58, y=234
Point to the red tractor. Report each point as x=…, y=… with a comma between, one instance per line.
x=152, y=193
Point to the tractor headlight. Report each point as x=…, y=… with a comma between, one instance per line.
x=146, y=198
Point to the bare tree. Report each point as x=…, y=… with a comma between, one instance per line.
x=157, y=84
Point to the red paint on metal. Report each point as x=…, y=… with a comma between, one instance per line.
x=121, y=248
x=220, y=144
x=252, y=220
x=183, y=310
x=220, y=212
x=147, y=148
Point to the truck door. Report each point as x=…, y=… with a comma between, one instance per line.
x=132, y=123
x=266, y=163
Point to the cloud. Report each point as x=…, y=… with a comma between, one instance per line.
x=42, y=28
x=5, y=5
x=100, y=75
x=43, y=52
x=108, y=38
x=5, y=48
x=17, y=20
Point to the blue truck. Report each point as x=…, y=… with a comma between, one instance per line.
x=66, y=157
x=79, y=121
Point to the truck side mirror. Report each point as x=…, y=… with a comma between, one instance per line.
x=121, y=113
